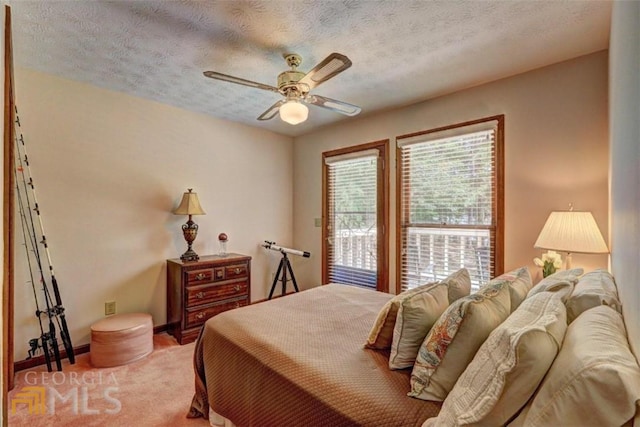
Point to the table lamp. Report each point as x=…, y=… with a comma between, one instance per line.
x=190, y=205
x=571, y=232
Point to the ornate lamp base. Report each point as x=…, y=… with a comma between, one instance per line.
x=190, y=231
x=190, y=255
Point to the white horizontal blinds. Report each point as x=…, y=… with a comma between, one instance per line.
x=448, y=202
x=354, y=155
x=352, y=220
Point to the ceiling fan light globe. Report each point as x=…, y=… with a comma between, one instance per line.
x=293, y=112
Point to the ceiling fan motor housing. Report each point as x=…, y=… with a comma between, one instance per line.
x=288, y=80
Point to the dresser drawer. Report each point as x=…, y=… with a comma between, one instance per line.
x=200, y=276
x=218, y=274
x=236, y=271
x=204, y=294
x=197, y=316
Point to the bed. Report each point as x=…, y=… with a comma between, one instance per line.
x=512, y=353
x=300, y=361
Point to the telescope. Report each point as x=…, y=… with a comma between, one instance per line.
x=274, y=247
x=284, y=267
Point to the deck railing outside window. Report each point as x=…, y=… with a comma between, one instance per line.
x=354, y=246
x=436, y=253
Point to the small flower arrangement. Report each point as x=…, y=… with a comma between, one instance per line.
x=550, y=262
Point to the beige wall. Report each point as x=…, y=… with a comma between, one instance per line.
x=556, y=145
x=625, y=161
x=109, y=169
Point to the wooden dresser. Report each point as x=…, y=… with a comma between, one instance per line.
x=201, y=289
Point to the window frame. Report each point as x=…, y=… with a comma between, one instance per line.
x=497, y=183
x=382, y=208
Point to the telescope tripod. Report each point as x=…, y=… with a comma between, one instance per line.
x=285, y=265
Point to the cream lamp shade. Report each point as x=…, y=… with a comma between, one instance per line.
x=571, y=232
x=294, y=112
x=189, y=205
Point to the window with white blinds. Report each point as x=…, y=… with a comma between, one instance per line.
x=450, y=198
x=351, y=249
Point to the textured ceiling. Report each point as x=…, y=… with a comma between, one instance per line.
x=402, y=51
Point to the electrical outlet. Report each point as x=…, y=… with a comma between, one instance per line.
x=317, y=222
x=109, y=308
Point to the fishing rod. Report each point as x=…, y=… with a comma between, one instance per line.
x=31, y=237
x=53, y=310
x=44, y=336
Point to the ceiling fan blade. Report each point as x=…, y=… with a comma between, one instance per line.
x=333, y=105
x=271, y=111
x=331, y=66
x=238, y=80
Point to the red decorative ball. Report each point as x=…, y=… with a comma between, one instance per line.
x=222, y=237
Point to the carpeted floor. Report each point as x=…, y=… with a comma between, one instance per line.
x=155, y=391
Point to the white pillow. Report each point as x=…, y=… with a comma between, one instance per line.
x=595, y=379
x=508, y=367
x=593, y=289
x=561, y=282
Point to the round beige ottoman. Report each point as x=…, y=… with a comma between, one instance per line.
x=121, y=339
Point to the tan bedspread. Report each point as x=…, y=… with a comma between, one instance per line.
x=300, y=361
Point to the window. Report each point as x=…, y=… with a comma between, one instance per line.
x=450, y=203
x=355, y=211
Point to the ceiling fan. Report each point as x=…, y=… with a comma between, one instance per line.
x=295, y=86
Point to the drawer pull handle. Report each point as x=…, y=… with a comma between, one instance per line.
x=200, y=316
x=237, y=304
x=219, y=274
x=236, y=288
x=200, y=295
x=237, y=270
x=200, y=276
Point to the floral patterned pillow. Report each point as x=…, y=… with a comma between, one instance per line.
x=457, y=335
